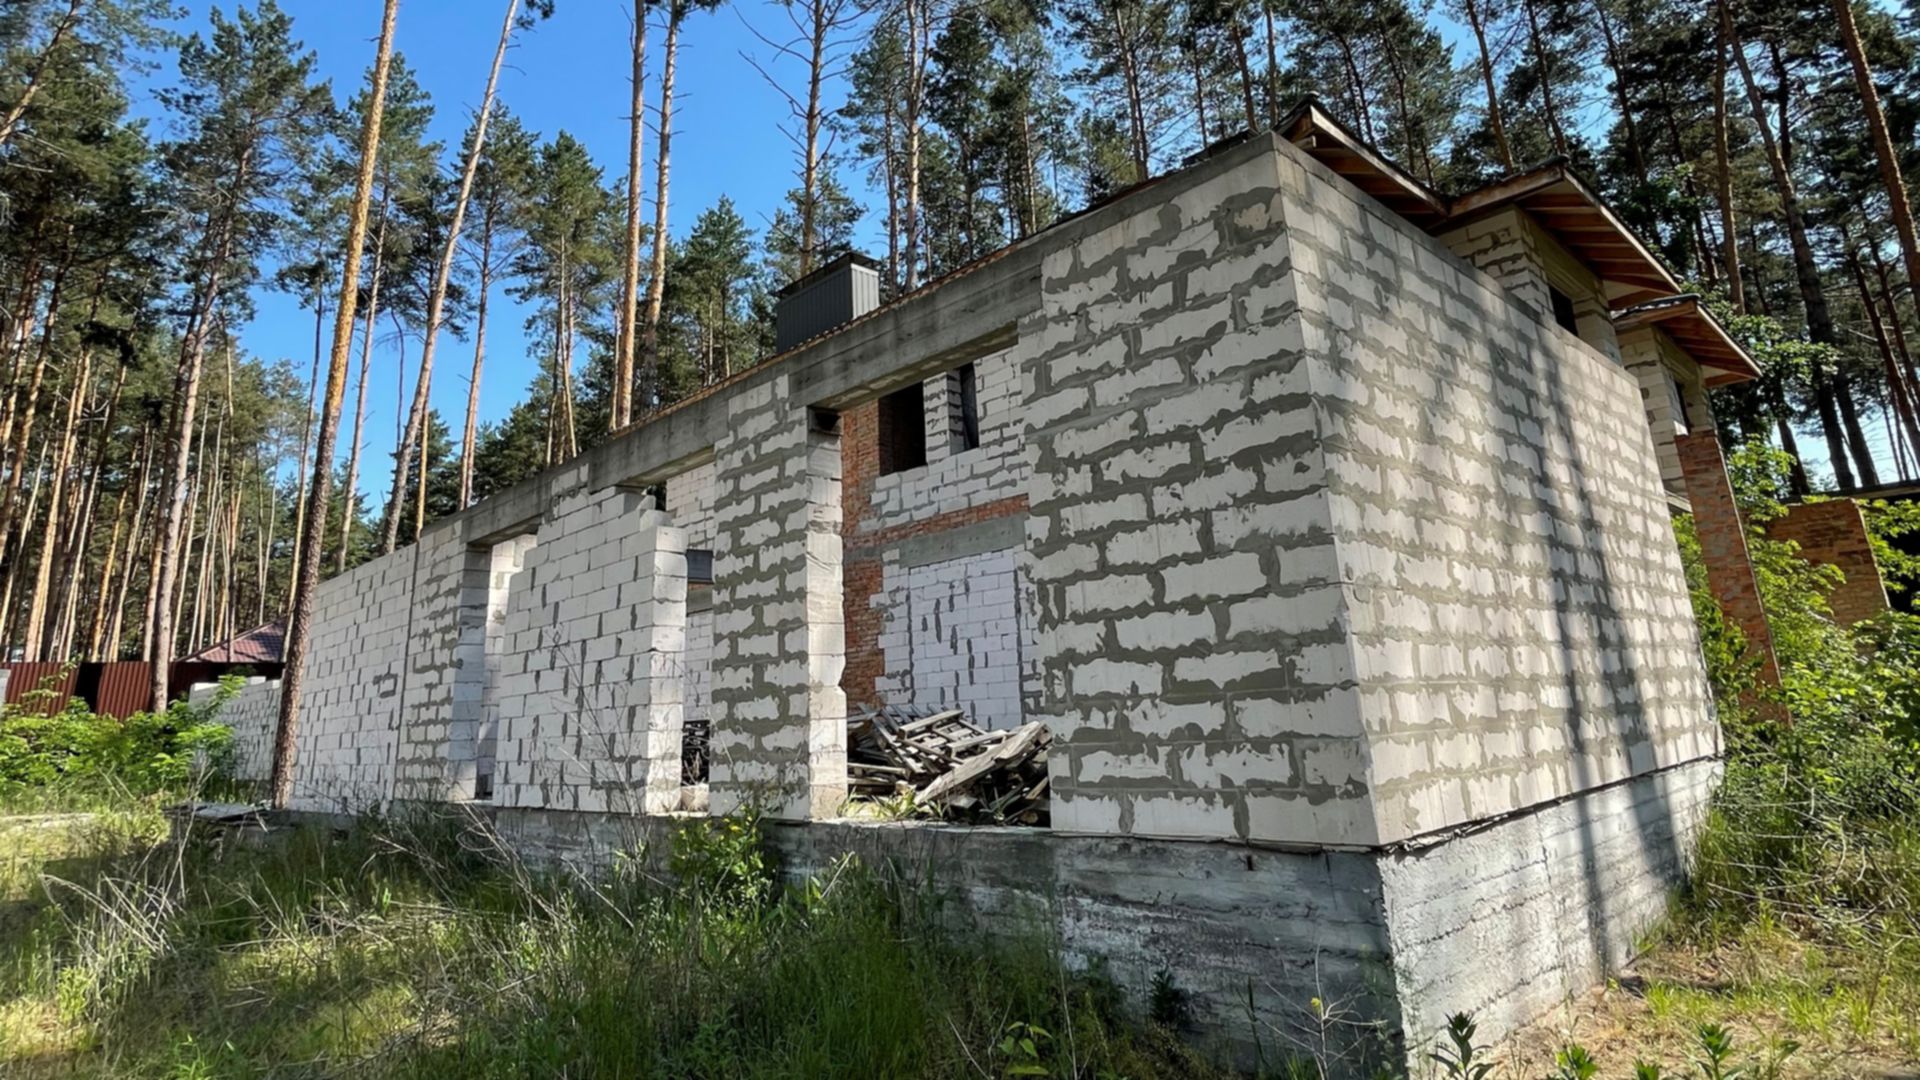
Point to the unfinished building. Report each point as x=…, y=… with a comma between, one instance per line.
x=1324, y=520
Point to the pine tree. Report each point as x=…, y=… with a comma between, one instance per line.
x=502, y=192
x=565, y=271
x=246, y=110
x=307, y=568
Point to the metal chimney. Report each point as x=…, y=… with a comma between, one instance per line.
x=835, y=294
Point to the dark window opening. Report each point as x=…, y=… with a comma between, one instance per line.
x=699, y=566
x=963, y=407
x=903, y=430
x=1563, y=310
x=1680, y=418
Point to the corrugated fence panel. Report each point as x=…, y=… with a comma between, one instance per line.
x=28, y=679
x=125, y=688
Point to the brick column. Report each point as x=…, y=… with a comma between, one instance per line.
x=859, y=465
x=1723, y=543
x=779, y=715
x=1834, y=533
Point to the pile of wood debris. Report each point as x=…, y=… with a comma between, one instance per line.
x=948, y=765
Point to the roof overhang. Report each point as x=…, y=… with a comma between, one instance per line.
x=1328, y=141
x=1581, y=221
x=1565, y=207
x=1694, y=329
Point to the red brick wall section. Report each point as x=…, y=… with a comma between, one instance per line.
x=1834, y=533
x=861, y=570
x=1723, y=541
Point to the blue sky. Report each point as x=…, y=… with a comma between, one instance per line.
x=570, y=72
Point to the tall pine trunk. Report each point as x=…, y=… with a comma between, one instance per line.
x=470, y=435
x=628, y=341
x=360, y=396
x=1546, y=77
x=1884, y=153
x=1723, y=180
x=307, y=560
x=1494, y=117
x=437, y=297
x=649, y=374
x=186, y=396
x=1806, y=272
x=36, y=78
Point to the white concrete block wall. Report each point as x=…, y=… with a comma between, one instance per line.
x=253, y=715
x=779, y=715
x=1336, y=539
x=1670, y=391
x=1525, y=259
x=356, y=662
x=690, y=504
x=1518, y=616
x=589, y=687
x=952, y=636
x=506, y=565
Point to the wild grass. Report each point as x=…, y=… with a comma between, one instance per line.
x=400, y=950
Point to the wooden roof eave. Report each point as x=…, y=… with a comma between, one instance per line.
x=1328, y=141
x=1575, y=216
x=1697, y=333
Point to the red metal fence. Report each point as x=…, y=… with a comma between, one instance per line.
x=117, y=688
x=43, y=688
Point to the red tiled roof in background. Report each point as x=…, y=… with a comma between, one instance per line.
x=264, y=644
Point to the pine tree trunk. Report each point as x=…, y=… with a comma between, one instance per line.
x=1898, y=391
x=811, y=123
x=649, y=374
x=437, y=297
x=625, y=346
x=1723, y=181
x=306, y=429
x=1856, y=434
x=915, y=107
x=1199, y=95
x=307, y=566
x=36, y=623
x=19, y=434
x=98, y=626
x=61, y=29
x=1896, y=331
x=1546, y=77
x=1806, y=272
x=1494, y=117
x=1273, y=64
x=360, y=395
x=1636, y=159
x=471, y=433
x=1357, y=86
x=112, y=631
x=174, y=477
x=1898, y=205
x=74, y=556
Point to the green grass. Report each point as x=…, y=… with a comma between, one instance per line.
x=403, y=951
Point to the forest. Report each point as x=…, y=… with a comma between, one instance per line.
x=157, y=477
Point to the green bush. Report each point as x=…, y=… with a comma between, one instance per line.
x=1815, y=820
x=145, y=753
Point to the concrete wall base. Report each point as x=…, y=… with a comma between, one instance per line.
x=1505, y=921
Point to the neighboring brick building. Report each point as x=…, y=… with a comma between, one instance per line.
x=1834, y=533
x=1319, y=516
